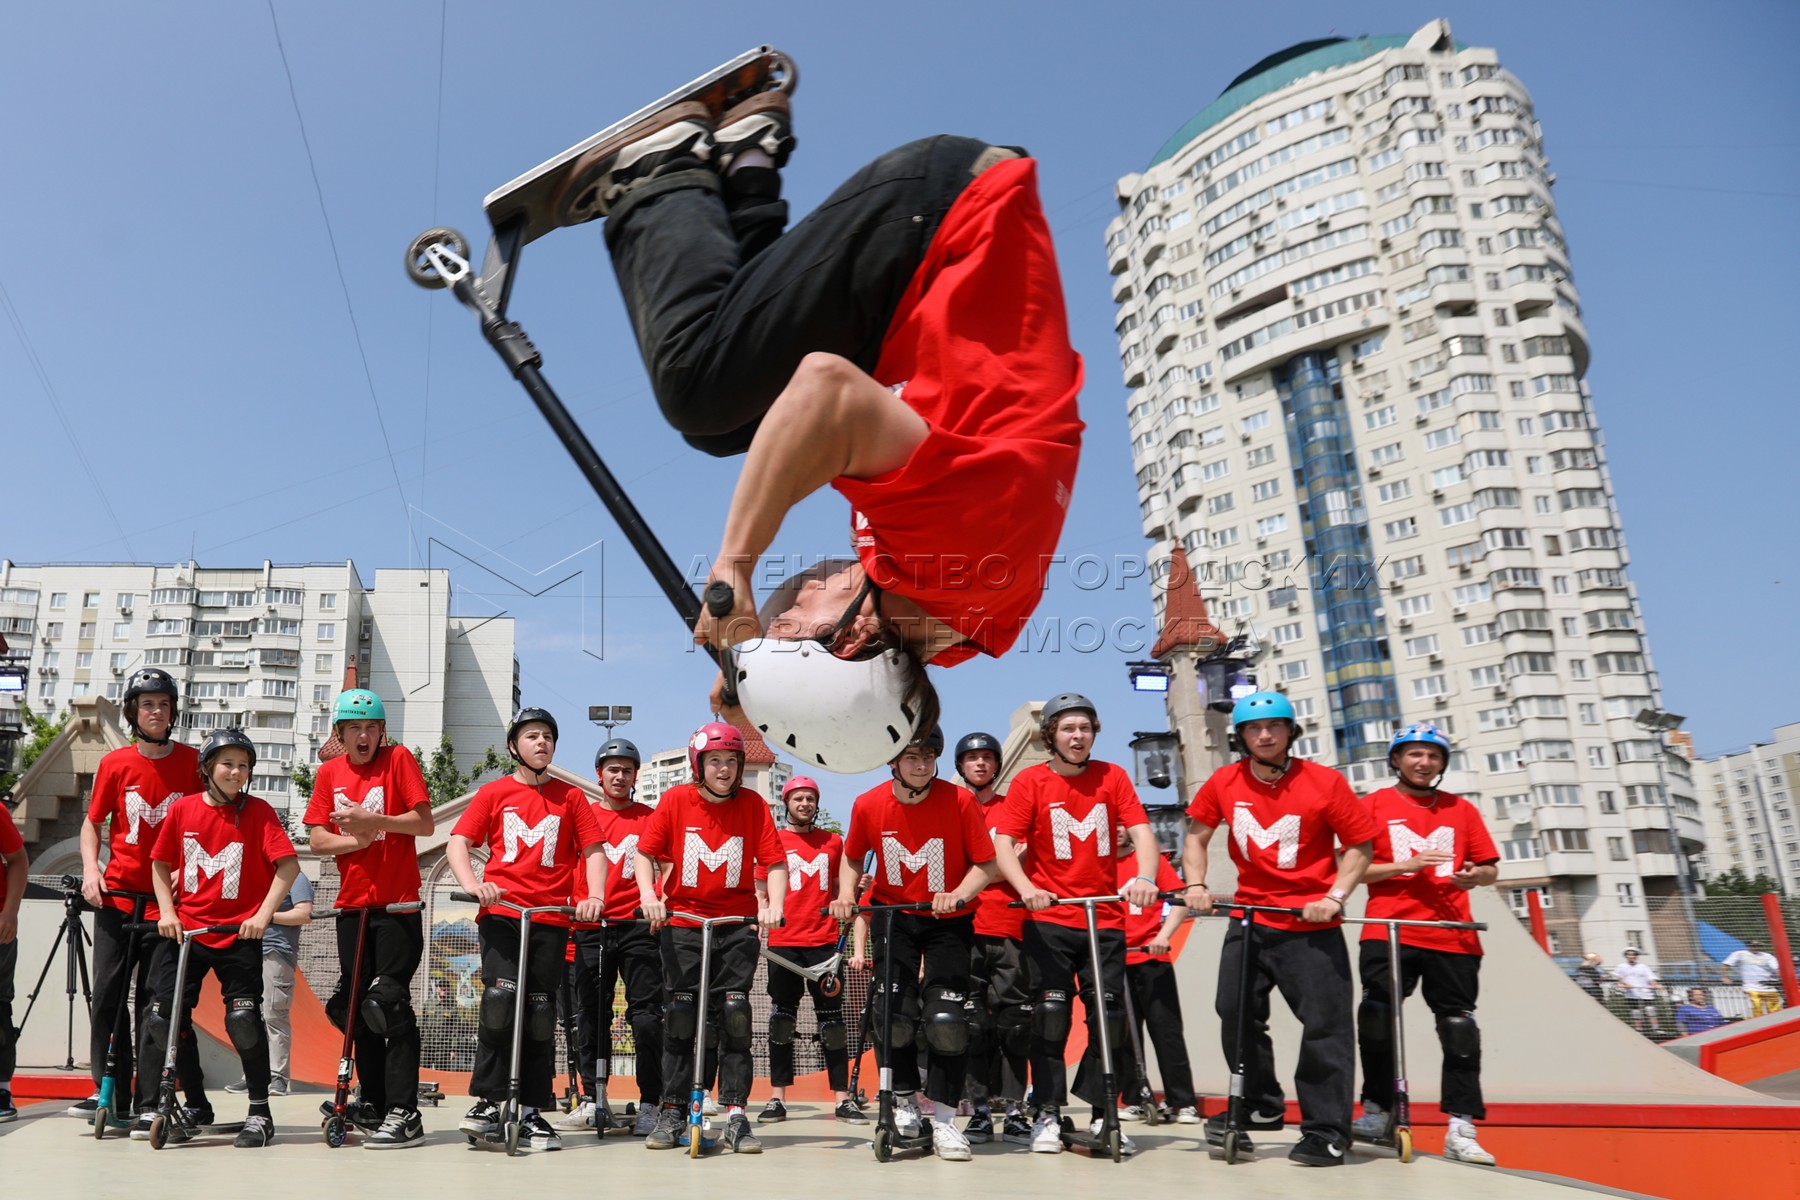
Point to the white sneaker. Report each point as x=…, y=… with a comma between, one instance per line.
x=1132, y=1112
x=579, y=1117
x=1188, y=1115
x=907, y=1119
x=949, y=1142
x=708, y=1106
x=1460, y=1145
x=1127, y=1147
x=1046, y=1133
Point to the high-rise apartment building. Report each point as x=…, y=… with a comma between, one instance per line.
x=1354, y=351
x=1747, y=798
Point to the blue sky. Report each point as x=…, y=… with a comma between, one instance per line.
x=173, y=270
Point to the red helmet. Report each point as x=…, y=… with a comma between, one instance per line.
x=800, y=783
x=714, y=735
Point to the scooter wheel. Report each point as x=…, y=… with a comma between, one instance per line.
x=512, y=1138
x=159, y=1131
x=1115, y=1145
x=334, y=1131
x=101, y=1116
x=884, y=1145
x=1403, y=1144
x=420, y=269
x=1152, y=1112
x=1231, y=1145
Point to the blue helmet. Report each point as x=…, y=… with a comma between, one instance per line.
x=1262, y=706
x=1424, y=732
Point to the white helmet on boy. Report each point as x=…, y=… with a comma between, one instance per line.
x=836, y=714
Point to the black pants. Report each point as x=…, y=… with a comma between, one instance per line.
x=111, y=984
x=387, y=1066
x=1060, y=961
x=1157, y=1006
x=9, y=1049
x=725, y=304
x=785, y=988
x=1000, y=986
x=928, y=953
x=602, y=958
x=1452, y=982
x=1312, y=969
x=537, y=1056
x=732, y=969
x=239, y=969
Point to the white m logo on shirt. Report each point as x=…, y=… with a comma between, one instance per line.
x=514, y=830
x=228, y=864
x=625, y=852
x=374, y=802
x=1097, y=825
x=139, y=811
x=928, y=858
x=695, y=851
x=814, y=867
x=1407, y=844
x=1284, y=834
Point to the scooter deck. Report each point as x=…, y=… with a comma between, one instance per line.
x=531, y=197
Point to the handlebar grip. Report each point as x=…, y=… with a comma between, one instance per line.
x=720, y=599
x=465, y=897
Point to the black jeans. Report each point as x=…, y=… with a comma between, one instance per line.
x=9, y=1050
x=785, y=989
x=239, y=968
x=1060, y=960
x=928, y=953
x=1452, y=982
x=388, y=1067
x=732, y=969
x=1157, y=1006
x=1000, y=983
x=602, y=958
x=1312, y=969
x=537, y=1056
x=725, y=305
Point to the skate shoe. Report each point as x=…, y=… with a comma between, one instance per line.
x=1216, y=1125
x=278, y=1085
x=1187, y=1115
x=1046, y=1133
x=771, y=1112
x=763, y=122
x=582, y=1116
x=1317, y=1150
x=140, y=1128
x=847, y=1112
x=678, y=138
x=1132, y=1112
x=238, y=1086
x=980, y=1128
x=536, y=1136
x=400, y=1129
x=84, y=1108
x=670, y=1120
x=907, y=1120
x=949, y=1143
x=481, y=1120
x=1016, y=1130
x=1460, y=1144
x=1374, y=1125
x=8, y=1110
x=645, y=1121
x=1127, y=1147
x=258, y=1131
x=738, y=1137
x=708, y=1106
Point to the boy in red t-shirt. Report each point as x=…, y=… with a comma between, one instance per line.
x=236, y=865
x=623, y=949
x=538, y=831
x=14, y=863
x=706, y=840
x=1000, y=984
x=931, y=849
x=1286, y=819
x=1150, y=974
x=1066, y=810
x=1431, y=848
x=133, y=790
x=369, y=806
x=808, y=938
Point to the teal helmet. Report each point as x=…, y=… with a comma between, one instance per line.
x=358, y=704
x=1262, y=706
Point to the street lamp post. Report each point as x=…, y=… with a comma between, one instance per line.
x=609, y=715
x=1660, y=724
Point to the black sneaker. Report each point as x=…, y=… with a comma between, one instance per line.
x=1216, y=1124
x=84, y=1108
x=1317, y=1150
x=678, y=138
x=764, y=122
x=536, y=1136
x=258, y=1131
x=645, y=1121
x=1015, y=1130
x=8, y=1110
x=670, y=1119
x=980, y=1128
x=198, y=1115
x=738, y=1138
x=481, y=1120
x=847, y=1112
x=773, y=1111
x=400, y=1129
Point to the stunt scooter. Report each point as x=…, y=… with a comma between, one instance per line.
x=887, y=1138
x=170, y=1124
x=115, y=1084
x=695, y=1138
x=336, y=1126
x=1144, y=1095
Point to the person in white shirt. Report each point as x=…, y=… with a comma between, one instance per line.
x=1759, y=972
x=1639, y=984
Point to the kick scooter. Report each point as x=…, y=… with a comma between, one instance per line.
x=336, y=1125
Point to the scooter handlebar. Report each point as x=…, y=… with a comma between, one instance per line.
x=142, y=926
x=567, y=910
x=1114, y=899
x=916, y=906
x=697, y=918
x=332, y=914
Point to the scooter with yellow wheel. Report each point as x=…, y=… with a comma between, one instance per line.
x=337, y=1123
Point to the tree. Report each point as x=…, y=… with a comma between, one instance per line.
x=42, y=732
x=828, y=822
x=1735, y=883
x=442, y=778
x=303, y=776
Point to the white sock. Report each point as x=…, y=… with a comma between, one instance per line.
x=755, y=156
x=736, y=1110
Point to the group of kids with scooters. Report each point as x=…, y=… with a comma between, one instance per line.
x=981, y=916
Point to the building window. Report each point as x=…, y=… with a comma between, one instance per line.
x=327, y=631
x=323, y=664
x=1627, y=895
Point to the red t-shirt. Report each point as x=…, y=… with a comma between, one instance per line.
x=1403, y=828
x=1283, y=837
x=994, y=914
x=222, y=859
x=920, y=849
x=978, y=347
x=1069, y=822
x=619, y=830
x=10, y=843
x=534, y=837
x=386, y=871
x=1142, y=924
x=136, y=793
x=713, y=850
x=813, y=859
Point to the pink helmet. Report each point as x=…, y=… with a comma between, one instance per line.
x=800, y=783
x=714, y=735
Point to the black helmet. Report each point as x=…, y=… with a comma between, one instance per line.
x=617, y=748
x=971, y=742
x=147, y=681
x=1064, y=702
x=219, y=739
x=932, y=741
x=527, y=716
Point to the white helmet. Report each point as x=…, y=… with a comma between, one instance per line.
x=837, y=714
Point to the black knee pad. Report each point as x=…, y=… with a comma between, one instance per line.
x=156, y=1034
x=734, y=1021
x=833, y=1033
x=782, y=1022
x=1374, y=1021
x=683, y=1016
x=540, y=1016
x=1012, y=1025
x=1051, y=1016
x=337, y=1009
x=980, y=1023
x=499, y=1004
x=244, y=1024
x=1460, y=1036
x=386, y=1007
x=900, y=1011
x=1116, y=1033
x=946, y=1028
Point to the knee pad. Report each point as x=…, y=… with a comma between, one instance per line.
x=1013, y=1027
x=156, y=1033
x=980, y=1023
x=1374, y=1021
x=946, y=1029
x=337, y=1009
x=1051, y=1015
x=1460, y=1036
x=386, y=1007
x=833, y=1033
x=1116, y=1033
x=781, y=1026
x=734, y=1021
x=540, y=1016
x=244, y=1024
x=499, y=1000
x=683, y=1016
x=900, y=1011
